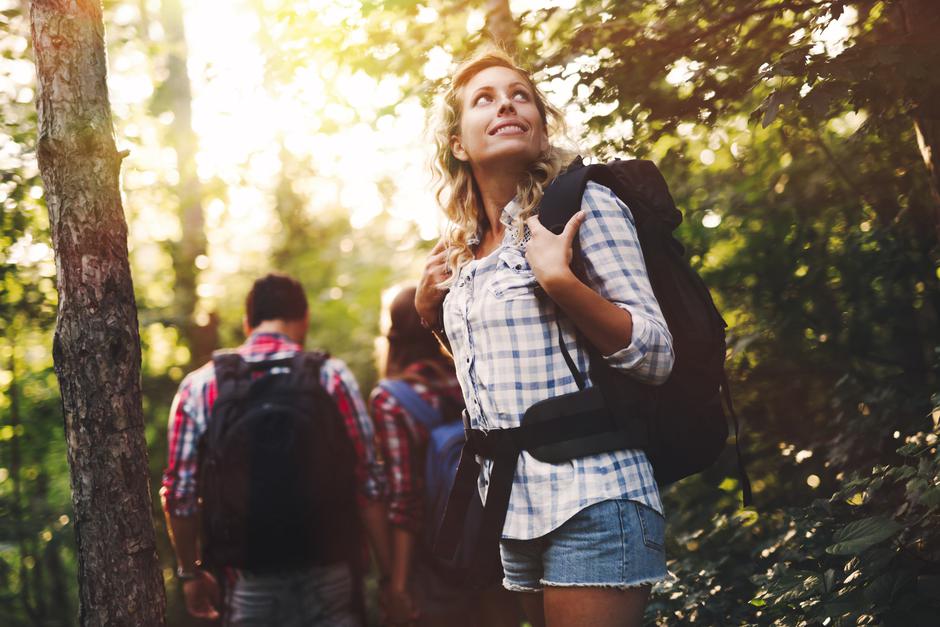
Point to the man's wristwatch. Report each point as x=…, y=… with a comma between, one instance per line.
x=186, y=575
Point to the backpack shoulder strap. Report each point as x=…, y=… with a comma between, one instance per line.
x=305, y=369
x=562, y=198
x=232, y=375
x=637, y=182
x=640, y=184
x=416, y=406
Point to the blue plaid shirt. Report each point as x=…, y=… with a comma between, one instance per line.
x=505, y=344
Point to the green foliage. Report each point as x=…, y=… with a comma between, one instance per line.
x=870, y=551
x=869, y=554
x=784, y=130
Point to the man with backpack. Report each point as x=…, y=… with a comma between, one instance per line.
x=271, y=472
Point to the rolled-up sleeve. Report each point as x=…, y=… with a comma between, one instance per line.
x=341, y=385
x=614, y=267
x=186, y=423
x=405, y=498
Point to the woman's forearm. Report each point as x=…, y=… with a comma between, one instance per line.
x=606, y=326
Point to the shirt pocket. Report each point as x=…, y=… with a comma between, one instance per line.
x=513, y=277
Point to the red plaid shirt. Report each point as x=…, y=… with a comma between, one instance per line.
x=198, y=391
x=403, y=443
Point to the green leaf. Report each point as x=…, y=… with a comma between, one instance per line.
x=931, y=498
x=862, y=534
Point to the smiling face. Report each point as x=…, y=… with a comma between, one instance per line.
x=500, y=120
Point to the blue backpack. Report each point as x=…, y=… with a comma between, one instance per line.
x=445, y=443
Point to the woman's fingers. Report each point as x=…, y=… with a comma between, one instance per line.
x=568, y=234
x=535, y=226
x=438, y=247
x=429, y=295
x=436, y=265
x=571, y=229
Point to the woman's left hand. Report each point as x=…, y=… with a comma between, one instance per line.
x=549, y=255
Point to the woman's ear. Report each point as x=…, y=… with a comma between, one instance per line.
x=457, y=149
x=544, y=145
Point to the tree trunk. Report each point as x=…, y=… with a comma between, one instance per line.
x=921, y=21
x=189, y=194
x=499, y=24
x=97, y=347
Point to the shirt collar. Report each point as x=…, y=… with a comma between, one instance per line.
x=269, y=337
x=510, y=213
x=508, y=217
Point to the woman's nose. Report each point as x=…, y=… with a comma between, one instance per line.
x=506, y=105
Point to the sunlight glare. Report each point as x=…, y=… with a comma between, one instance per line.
x=438, y=64
x=323, y=116
x=711, y=219
x=833, y=38
x=476, y=20
x=682, y=71
x=426, y=15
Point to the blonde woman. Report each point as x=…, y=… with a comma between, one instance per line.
x=582, y=540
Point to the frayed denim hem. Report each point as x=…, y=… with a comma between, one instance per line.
x=616, y=586
x=512, y=587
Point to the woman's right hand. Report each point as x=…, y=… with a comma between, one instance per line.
x=429, y=296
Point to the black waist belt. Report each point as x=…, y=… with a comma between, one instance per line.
x=503, y=446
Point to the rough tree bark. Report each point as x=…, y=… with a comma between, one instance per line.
x=97, y=347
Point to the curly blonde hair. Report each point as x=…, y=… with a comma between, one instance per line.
x=455, y=188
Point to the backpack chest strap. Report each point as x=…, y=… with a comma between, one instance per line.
x=503, y=447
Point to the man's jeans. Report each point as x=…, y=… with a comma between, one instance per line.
x=320, y=595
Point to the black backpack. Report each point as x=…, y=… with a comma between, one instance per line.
x=684, y=419
x=276, y=468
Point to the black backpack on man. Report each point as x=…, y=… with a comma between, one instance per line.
x=276, y=468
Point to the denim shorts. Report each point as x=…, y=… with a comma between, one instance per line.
x=319, y=596
x=611, y=544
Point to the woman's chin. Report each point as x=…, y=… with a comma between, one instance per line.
x=512, y=155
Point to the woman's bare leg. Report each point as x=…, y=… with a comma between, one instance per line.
x=498, y=607
x=594, y=607
x=533, y=607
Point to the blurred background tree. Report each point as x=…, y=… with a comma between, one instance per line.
x=796, y=137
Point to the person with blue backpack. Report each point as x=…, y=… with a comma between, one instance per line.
x=416, y=411
x=534, y=319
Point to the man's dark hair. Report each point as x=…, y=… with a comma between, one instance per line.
x=275, y=297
